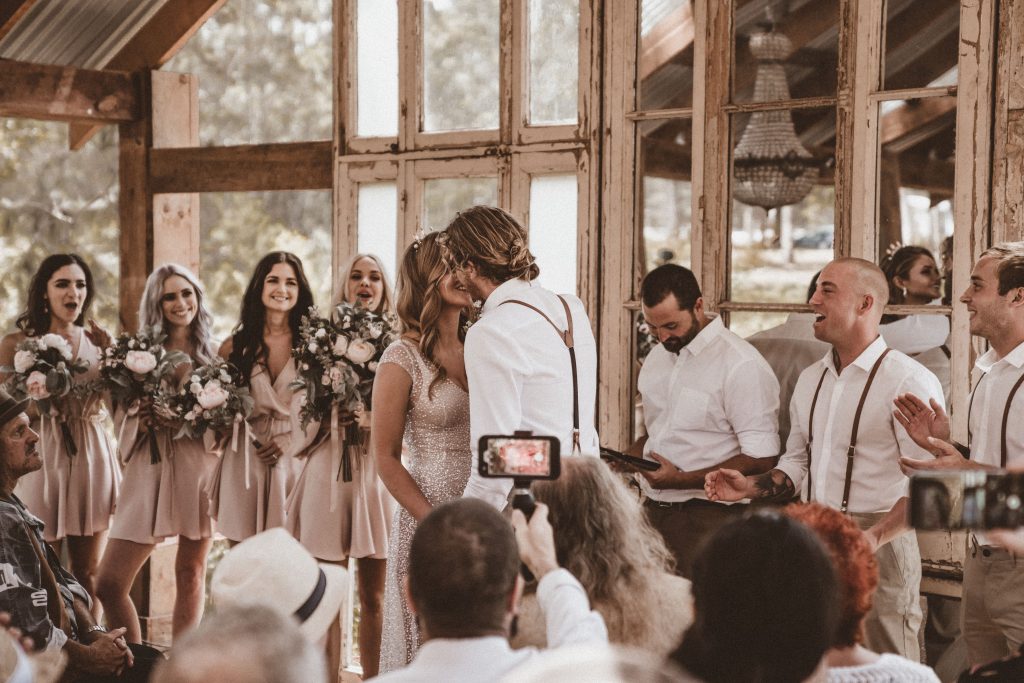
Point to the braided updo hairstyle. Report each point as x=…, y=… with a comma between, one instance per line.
x=493, y=241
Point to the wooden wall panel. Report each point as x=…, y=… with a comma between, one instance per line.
x=1008, y=133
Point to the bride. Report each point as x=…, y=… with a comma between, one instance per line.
x=420, y=394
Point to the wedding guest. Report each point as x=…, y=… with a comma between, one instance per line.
x=251, y=485
x=857, y=572
x=273, y=570
x=531, y=359
x=360, y=522
x=622, y=562
x=710, y=400
x=244, y=644
x=764, y=604
x=163, y=498
x=914, y=279
x=993, y=587
x=464, y=584
x=38, y=596
x=75, y=490
x=845, y=443
x=421, y=404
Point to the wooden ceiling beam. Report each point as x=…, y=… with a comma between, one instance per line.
x=912, y=122
x=243, y=168
x=670, y=37
x=59, y=93
x=160, y=39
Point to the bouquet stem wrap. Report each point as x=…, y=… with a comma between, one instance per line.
x=154, y=448
x=69, y=440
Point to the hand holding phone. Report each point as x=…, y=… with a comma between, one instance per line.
x=639, y=463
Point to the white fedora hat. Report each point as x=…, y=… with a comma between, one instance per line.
x=274, y=570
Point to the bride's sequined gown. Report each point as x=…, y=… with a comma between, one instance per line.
x=439, y=459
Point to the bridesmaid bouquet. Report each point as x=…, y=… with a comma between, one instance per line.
x=44, y=370
x=337, y=361
x=212, y=399
x=133, y=368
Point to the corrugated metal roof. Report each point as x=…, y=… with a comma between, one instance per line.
x=82, y=33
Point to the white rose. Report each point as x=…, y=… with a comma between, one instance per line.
x=321, y=333
x=211, y=397
x=225, y=377
x=140, y=362
x=194, y=379
x=335, y=374
x=376, y=329
x=313, y=348
x=55, y=341
x=36, y=386
x=340, y=345
x=23, y=360
x=372, y=366
x=131, y=343
x=195, y=388
x=360, y=351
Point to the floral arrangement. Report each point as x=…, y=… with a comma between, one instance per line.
x=44, y=370
x=212, y=399
x=337, y=361
x=133, y=369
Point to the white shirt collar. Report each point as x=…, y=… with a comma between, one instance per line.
x=864, y=361
x=988, y=359
x=707, y=335
x=509, y=289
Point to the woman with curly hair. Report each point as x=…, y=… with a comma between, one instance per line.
x=75, y=491
x=857, y=573
x=419, y=395
x=166, y=497
x=604, y=539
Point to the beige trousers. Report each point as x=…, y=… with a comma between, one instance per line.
x=993, y=603
x=895, y=619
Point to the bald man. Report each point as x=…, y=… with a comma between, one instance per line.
x=845, y=443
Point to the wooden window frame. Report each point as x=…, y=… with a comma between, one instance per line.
x=861, y=28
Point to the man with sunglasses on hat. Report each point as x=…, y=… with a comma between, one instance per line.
x=44, y=600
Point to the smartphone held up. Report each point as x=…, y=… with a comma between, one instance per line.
x=967, y=499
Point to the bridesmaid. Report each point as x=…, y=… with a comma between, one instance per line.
x=359, y=525
x=73, y=494
x=164, y=498
x=249, y=491
x=420, y=397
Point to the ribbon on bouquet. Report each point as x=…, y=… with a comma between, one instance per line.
x=248, y=442
x=337, y=457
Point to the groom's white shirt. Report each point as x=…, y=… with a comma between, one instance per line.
x=520, y=377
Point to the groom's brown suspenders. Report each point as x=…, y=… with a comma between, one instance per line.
x=567, y=339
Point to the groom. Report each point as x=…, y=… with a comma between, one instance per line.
x=531, y=359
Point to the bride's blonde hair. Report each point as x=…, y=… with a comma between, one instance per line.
x=419, y=298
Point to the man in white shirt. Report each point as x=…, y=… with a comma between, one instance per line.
x=710, y=400
x=789, y=348
x=531, y=359
x=845, y=442
x=993, y=588
x=464, y=586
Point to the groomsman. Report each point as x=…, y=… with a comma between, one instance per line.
x=531, y=359
x=845, y=442
x=710, y=400
x=993, y=588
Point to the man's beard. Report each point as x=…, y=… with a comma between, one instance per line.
x=676, y=344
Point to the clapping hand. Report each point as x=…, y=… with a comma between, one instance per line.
x=97, y=335
x=726, y=485
x=922, y=421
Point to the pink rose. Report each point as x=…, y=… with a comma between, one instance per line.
x=140, y=362
x=36, y=386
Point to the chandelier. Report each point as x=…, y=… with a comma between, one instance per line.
x=770, y=166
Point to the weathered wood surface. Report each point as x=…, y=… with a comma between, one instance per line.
x=160, y=39
x=59, y=93
x=243, y=168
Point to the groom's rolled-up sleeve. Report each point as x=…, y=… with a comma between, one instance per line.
x=495, y=368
